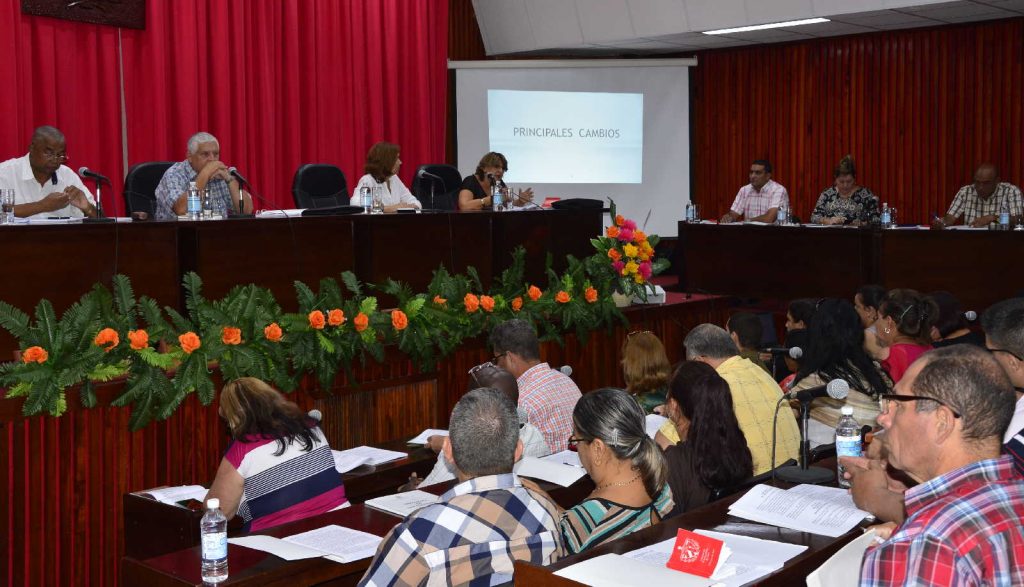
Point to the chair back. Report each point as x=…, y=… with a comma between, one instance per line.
x=446, y=191
x=140, y=186
x=319, y=185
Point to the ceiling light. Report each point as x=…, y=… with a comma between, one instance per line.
x=761, y=27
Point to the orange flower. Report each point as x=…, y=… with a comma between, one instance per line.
x=562, y=297
x=317, y=320
x=619, y=220
x=399, y=320
x=189, y=342
x=487, y=303
x=472, y=303
x=107, y=338
x=336, y=317
x=272, y=332
x=614, y=254
x=590, y=295
x=231, y=335
x=534, y=293
x=440, y=301
x=517, y=304
x=139, y=339
x=639, y=236
x=35, y=354
x=361, y=321
x=612, y=232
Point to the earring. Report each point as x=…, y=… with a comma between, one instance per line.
x=887, y=331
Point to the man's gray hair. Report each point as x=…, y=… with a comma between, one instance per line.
x=708, y=340
x=1004, y=325
x=199, y=138
x=47, y=132
x=484, y=430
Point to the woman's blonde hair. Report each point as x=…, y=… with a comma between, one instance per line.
x=645, y=365
x=254, y=409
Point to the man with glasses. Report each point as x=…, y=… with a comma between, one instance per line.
x=547, y=395
x=944, y=426
x=43, y=186
x=1003, y=324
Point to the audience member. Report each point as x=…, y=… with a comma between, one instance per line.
x=979, y=203
x=203, y=166
x=905, y=327
x=475, y=191
x=867, y=301
x=760, y=200
x=846, y=203
x=799, y=313
x=951, y=326
x=43, y=186
x=547, y=395
x=1004, y=338
x=712, y=452
x=382, y=165
x=279, y=467
x=836, y=351
x=798, y=316
x=646, y=369
x=484, y=524
x=754, y=397
x=746, y=331
x=794, y=339
x=944, y=428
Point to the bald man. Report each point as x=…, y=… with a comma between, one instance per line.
x=980, y=202
x=43, y=186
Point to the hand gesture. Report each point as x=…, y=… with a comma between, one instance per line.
x=77, y=198
x=55, y=201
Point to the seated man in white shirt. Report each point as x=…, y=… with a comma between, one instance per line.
x=760, y=200
x=42, y=185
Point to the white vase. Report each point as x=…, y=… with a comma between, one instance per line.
x=622, y=300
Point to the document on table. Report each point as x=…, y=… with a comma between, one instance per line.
x=172, y=495
x=750, y=559
x=403, y=504
x=346, y=460
x=557, y=473
x=422, y=438
x=843, y=569
x=778, y=507
x=653, y=424
x=836, y=495
x=289, y=213
x=335, y=542
x=565, y=457
x=615, y=570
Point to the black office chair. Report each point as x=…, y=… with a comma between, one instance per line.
x=721, y=492
x=578, y=204
x=446, y=191
x=140, y=186
x=319, y=185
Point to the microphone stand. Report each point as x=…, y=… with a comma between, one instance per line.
x=100, y=216
x=804, y=473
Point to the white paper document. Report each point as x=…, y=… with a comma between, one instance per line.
x=290, y=213
x=843, y=569
x=346, y=460
x=423, y=436
x=403, y=504
x=565, y=457
x=778, y=507
x=654, y=422
x=557, y=473
x=172, y=495
x=276, y=547
x=334, y=542
x=614, y=570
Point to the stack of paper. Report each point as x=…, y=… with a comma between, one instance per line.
x=346, y=460
x=403, y=504
x=423, y=436
x=801, y=508
x=566, y=457
x=615, y=570
x=552, y=472
x=333, y=542
x=654, y=422
x=172, y=495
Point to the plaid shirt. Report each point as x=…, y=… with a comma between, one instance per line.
x=962, y=528
x=549, y=397
x=752, y=203
x=175, y=181
x=476, y=532
x=968, y=204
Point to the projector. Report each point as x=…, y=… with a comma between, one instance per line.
x=655, y=295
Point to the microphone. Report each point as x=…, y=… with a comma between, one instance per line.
x=971, y=315
x=793, y=352
x=424, y=173
x=315, y=414
x=234, y=171
x=836, y=389
x=86, y=172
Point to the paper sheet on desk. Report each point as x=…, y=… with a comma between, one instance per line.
x=653, y=423
x=778, y=507
x=335, y=542
x=557, y=473
x=423, y=436
x=346, y=460
x=614, y=570
x=565, y=457
x=172, y=495
x=290, y=213
x=403, y=504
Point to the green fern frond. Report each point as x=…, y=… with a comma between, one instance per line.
x=14, y=321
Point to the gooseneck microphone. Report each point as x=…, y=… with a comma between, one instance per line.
x=804, y=473
x=241, y=197
x=793, y=352
x=86, y=172
x=835, y=389
x=424, y=173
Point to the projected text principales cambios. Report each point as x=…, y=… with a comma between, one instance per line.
x=566, y=133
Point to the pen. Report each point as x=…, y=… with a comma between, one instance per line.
x=58, y=218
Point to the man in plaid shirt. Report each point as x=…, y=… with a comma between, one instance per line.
x=944, y=428
x=760, y=200
x=979, y=203
x=483, y=524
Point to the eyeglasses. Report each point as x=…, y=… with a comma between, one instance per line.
x=473, y=372
x=55, y=156
x=496, y=358
x=1009, y=352
x=884, y=399
x=573, y=442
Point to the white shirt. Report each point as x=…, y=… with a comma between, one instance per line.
x=394, y=191
x=16, y=174
x=1017, y=423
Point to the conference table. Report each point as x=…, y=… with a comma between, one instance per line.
x=788, y=262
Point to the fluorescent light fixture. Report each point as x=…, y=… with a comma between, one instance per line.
x=761, y=27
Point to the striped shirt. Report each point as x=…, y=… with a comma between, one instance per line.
x=971, y=206
x=962, y=528
x=285, y=488
x=596, y=521
x=549, y=397
x=751, y=203
x=472, y=536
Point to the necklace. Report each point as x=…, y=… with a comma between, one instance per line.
x=619, y=484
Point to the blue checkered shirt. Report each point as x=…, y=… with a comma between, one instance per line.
x=174, y=183
x=471, y=537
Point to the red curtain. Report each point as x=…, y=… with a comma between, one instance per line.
x=286, y=82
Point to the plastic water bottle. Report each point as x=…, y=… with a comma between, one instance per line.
x=782, y=218
x=497, y=198
x=207, y=205
x=366, y=198
x=214, y=532
x=195, y=208
x=689, y=212
x=1004, y=216
x=886, y=216
x=847, y=440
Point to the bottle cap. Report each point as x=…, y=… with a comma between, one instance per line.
x=846, y=410
x=213, y=503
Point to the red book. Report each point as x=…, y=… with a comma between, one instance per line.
x=695, y=554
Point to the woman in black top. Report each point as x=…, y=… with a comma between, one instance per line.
x=475, y=191
x=846, y=202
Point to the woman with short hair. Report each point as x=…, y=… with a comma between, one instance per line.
x=382, y=164
x=475, y=191
x=845, y=202
x=646, y=369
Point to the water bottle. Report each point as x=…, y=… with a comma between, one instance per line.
x=194, y=205
x=207, y=204
x=1004, y=216
x=886, y=216
x=366, y=199
x=782, y=218
x=689, y=212
x=847, y=440
x=497, y=198
x=214, y=533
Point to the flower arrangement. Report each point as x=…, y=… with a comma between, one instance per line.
x=625, y=257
